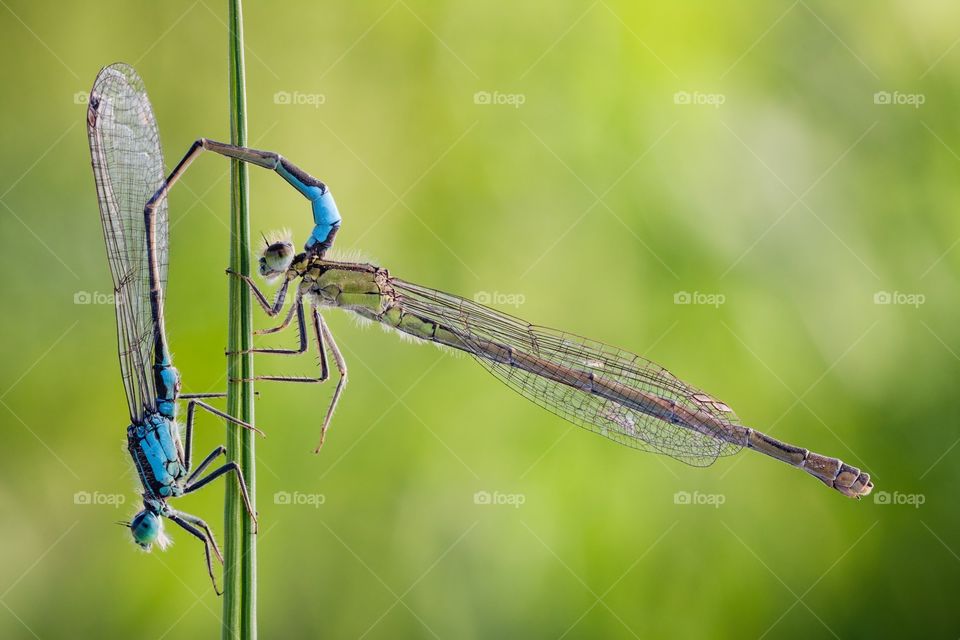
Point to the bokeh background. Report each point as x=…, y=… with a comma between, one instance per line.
x=790, y=169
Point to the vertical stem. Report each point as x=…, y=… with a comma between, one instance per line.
x=240, y=550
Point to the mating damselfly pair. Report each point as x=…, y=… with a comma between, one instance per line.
x=609, y=391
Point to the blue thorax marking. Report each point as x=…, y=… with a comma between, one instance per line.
x=158, y=443
x=326, y=217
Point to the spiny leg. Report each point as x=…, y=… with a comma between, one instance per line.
x=213, y=475
x=302, y=331
x=283, y=325
x=323, y=330
x=219, y=451
x=324, y=370
x=208, y=540
x=199, y=522
x=188, y=436
x=225, y=416
x=206, y=396
x=219, y=394
x=325, y=340
x=271, y=309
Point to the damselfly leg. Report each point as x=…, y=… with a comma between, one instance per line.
x=187, y=522
x=325, y=342
x=295, y=309
x=324, y=331
x=192, y=486
x=231, y=466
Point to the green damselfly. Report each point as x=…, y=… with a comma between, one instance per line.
x=603, y=389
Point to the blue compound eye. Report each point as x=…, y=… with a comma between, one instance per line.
x=146, y=527
x=276, y=259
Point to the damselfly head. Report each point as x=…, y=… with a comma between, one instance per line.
x=276, y=258
x=147, y=528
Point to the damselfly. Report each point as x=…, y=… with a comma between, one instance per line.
x=128, y=169
x=615, y=393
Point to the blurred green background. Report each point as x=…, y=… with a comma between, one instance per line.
x=792, y=161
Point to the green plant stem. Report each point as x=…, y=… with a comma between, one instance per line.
x=240, y=546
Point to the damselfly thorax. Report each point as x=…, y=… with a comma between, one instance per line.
x=157, y=453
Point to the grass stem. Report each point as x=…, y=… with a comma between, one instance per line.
x=240, y=548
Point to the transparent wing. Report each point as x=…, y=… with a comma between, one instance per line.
x=651, y=426
x=128, y=169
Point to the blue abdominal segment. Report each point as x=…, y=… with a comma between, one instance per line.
x=326, y=217
x=166, y=377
